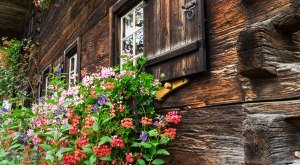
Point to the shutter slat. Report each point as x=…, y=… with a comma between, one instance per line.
x=172, y=40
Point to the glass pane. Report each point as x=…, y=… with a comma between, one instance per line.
x=139, y=42
x=128, y=44
x=72, y=62
x=128, y=25
x=139, y=13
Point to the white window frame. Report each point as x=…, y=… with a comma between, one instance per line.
x=135, y=56
x=46, y=84
x=72, y=73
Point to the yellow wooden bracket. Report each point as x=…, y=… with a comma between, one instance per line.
x=170, y=87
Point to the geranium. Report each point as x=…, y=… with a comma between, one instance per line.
x=103, y=120
x=173, y=117
x=127, y=123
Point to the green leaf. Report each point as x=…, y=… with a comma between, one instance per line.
x=15, y=146
x=50, y=158
x=106, y=158
x=153, y=133
x=45, y=147
x=135, y=144
x=56, y=135
x=96, y=126
x=87, y=162
x=162, y=152
x=93, y=158
x=88, y=150
x=141, y=162
x=158, y=161
x=106, y=120
x=146, y=145
x=62, y=151
x=104, y=139
x=5, y=162
x=147, y=157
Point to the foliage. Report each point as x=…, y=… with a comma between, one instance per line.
x=43, y=3
x=14, y=55
x=108, y=118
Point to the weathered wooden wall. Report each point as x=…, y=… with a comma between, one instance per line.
x=220, y=118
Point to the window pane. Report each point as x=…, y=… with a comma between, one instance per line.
x=139, y=42
x=139, y=13
x=128, y=25
x=72, y=62
x=128, y=44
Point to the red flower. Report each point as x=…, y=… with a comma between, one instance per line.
x=117, y=142
x=127, y=123
x=10, y=132
x=73, y=131
x=89, y=121
x=121, y=108
x=173, y=117
x=146, y=121
x=75, y=121
x=170, y=132
x=129, y=157
x=82, y=141
x=102, y=151
x=74, y=158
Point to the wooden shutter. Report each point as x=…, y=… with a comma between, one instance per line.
x=174, y=44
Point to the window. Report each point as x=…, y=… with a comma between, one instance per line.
x=132, y=33
x=72, y=62
x=44, y=82
x=126, y=30
x=72, y=73
x=170, y=33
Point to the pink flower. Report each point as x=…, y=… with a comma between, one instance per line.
x=36, y=140
x=107, y=72
x=129, y=157
x=173, y=117
x=117, y=142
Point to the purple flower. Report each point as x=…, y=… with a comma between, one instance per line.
x=25, y=143
x=143, y=137
x=101, y=101
x=4, y=110
x=155, y=123
x=95, y=108
x=58, y=120
x=58, y=72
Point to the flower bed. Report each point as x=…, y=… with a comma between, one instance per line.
x=109, y=118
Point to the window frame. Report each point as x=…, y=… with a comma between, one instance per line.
x=134, y=33
x=44, y=78
x=116, y=12
x=74, y=49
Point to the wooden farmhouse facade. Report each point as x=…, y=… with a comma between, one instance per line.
x=232, y=67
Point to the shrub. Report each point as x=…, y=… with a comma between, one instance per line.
x=108, y=118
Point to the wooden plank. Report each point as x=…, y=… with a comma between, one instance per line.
x=176, y=52
x=271, y=132
x=208, y=136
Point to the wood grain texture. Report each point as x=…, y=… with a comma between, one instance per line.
x=13, y=17
x=214, y=104
x=208, y=136
x=168, y=30
x=271, y=132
